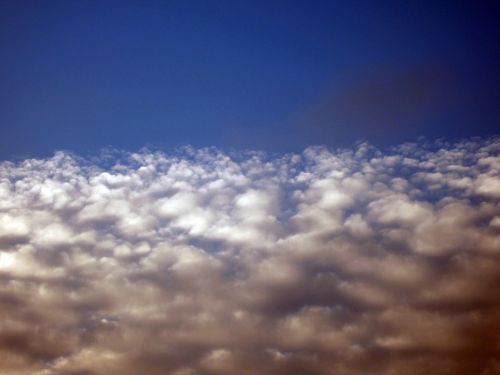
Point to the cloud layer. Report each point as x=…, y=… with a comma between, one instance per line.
x=340, y=262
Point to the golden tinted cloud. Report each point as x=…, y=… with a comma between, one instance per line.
x=327, y=262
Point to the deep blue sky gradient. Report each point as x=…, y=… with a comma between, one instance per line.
x=272, y=75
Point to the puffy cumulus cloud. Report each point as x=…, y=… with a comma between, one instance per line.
x=326, y=262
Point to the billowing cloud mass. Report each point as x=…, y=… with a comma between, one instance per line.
x=343, y=262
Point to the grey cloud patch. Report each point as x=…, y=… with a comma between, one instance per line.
x=326, y=262
x=387, y=102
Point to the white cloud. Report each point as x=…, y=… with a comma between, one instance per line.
x=345, y=262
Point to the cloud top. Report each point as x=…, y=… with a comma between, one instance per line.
x=339, y=262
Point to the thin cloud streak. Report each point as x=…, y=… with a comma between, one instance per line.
x=338, y=262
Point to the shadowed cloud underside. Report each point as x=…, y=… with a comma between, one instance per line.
x=338, y=262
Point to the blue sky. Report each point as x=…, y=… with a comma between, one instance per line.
x=279, y=76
